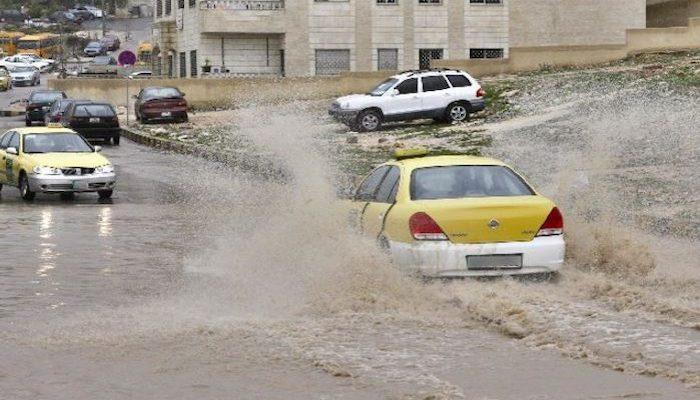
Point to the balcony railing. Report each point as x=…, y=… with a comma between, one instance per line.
x=254, y=5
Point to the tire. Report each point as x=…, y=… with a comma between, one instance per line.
x=27, y=122
x=24, y=190
x=457, y=112
x=115, y=140
x=369, y=121
x=105, y=194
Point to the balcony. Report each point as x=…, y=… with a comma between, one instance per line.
x=242, y=16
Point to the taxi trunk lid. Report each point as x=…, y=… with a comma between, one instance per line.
x=489, y=219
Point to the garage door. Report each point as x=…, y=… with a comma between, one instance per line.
x=332, y=62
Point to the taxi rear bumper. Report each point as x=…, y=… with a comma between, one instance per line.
x=75, y=184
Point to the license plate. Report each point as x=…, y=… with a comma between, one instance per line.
x=79, y=185
x=495, y=261
x=94, y=120
x=166, y=114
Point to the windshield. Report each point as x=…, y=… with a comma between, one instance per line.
x=55, y=143
x=3, y=72
x=383, y=87
x=28, y=44
x=466, y=181
x=94, y=44
x=45, y=97
x=23, y=69
x=94, y=110
x=160, y=93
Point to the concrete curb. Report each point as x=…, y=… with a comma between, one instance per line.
x=177, y=147
x=11, y=113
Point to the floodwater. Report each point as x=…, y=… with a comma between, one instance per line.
x=199, y=281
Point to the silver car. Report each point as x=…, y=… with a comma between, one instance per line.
x=25, y=76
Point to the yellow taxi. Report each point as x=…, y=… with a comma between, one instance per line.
x=5, y=80
x=53, y=159
x=459, y=216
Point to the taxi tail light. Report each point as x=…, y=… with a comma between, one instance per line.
x=480, y=92
x=553, y=225
x=425, y=228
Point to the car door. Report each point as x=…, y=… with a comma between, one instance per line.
x=4, y=140
x=404, y=101
x=11, y=162
x=376, y=210
x=366, y=193
x=434, y=95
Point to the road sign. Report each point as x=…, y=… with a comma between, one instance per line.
x=127, y=57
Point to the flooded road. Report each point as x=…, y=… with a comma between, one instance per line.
x=199, y=282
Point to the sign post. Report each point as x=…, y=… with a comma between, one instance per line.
x=127, y=59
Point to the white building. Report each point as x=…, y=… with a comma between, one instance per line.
x=320, y=37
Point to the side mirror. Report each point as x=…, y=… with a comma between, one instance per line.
x=98, y=149
x=394, y=92
x=11, y=150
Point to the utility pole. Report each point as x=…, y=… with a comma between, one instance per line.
x=104, y=19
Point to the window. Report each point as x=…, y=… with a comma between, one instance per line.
x=387, y=190
x=168, y=7
x=485, y=53
x=180, y=3
x=458, y=80
x=332, y=62
x=183, y=64
x=94, y=110
x=389, y=2
x=427, y=55
x=193, y=3
x=170, y=66
x=485, y=1
x=434, y=83
x=5, y=140
x=159, y=8
x=387, y=59
x=462, y=181
x=193, y=63
x=14, y=141
x=369, y=186
x=408, y=86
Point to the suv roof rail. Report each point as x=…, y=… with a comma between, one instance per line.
x=412, y=72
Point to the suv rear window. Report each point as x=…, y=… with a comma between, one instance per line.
x=93, y=110
x=458, y=80
x=463, y=181
x=433, y=83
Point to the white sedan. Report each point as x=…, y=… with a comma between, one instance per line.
x=38, y=62
x=25, y=60
x=26, y=75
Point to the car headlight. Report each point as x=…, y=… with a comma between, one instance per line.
x=41, y=170
x=105, y=169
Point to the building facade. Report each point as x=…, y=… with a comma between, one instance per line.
x=324, y=37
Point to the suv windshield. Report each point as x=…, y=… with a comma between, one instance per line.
x=462, y=181
x=44, y=97
x=161, y=93
x=383, y=87
x=55, y=143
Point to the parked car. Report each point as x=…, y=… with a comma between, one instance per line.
x=93, y=120
x=39, y=102
x=105, y=65
x=160, y=103
x=82, y=13
x=42, y=64
x=14, y=61
x=59, y=107
x=110, y=43
x=459, y=216
x=94, y=49
x=64, y=17
x=96, y=12
x=25, y=76
x=443, y=95
x=12, y=16
x=5, y=80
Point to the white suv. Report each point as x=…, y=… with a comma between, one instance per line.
x=444, y=95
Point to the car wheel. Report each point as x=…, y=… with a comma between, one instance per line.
x=457, y=112
x=67, y=196
x=369, y=121
x=27, y=122
x=105, y=194
x=115, y=140
x=24, y=189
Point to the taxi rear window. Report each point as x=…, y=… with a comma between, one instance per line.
x=463, y=181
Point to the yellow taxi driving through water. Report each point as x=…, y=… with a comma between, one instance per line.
x=458, y=216
x=53, y=159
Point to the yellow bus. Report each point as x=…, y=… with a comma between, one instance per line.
x=8, y=42
x=46, y=45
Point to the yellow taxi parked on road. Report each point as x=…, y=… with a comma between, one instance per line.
x=53, y=159
x=457, y=216
x=5, y=80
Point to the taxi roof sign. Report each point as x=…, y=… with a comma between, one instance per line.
x=402, y=154
x=54, y=125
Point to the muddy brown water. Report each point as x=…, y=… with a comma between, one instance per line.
x=197, y=282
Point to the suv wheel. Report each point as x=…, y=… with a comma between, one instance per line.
x=457, y=112
x=369, y=121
